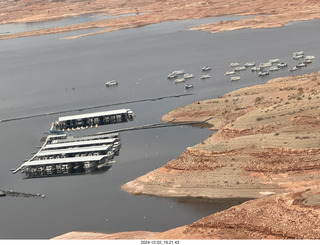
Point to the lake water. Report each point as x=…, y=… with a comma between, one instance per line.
x=45, y=74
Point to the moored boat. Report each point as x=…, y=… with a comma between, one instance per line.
x=205, y=76
x=234, y=79
x=234, y=64
x=206, y=68
x=249, y=64
x=180, y=80
x=187, y=86
x=186, y=76
x=111, y=83
x=240, y=68
x=265, y=73
x=274, y=68
x=229, y=73
x=294, y=68
x=282, y=64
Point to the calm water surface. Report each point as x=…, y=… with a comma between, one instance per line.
x=44, y=74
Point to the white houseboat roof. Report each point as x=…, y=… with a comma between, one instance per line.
x=96, y=114
x=64, y=160
x=73, y=150
x=79, y=143
x=89, y=137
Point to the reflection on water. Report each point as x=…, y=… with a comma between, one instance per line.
x=67, y=172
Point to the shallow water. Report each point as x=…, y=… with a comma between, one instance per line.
x=44, y=74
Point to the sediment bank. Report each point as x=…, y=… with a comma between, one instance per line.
x=142, y=12
x=267, y=143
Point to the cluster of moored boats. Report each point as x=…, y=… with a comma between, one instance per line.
x=272, y=65
x=180, y=76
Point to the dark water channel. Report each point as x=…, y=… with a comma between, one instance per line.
x=45, y=74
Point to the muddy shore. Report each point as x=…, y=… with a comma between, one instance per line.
x=145, y=12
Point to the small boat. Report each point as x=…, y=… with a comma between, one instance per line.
x=267, y=64
x=282, y=64
x=297, y=53
x=179, y=72
x=229, y=73
x=265, y=73
x=274, y=60
x=205, y=76
x=309, y=57
x=172, y=76
x=111, y=83
x=234, y=64
x=206, y=68
x=307, y=61
x=234, y=79
x=296, y=57
x=294, y=68
x=249, y=64
x=180, y=80
x=186, y=76
x=187, y=86
x=240, y=68
x=274, y=68
x=256, y=68
x=301, y=65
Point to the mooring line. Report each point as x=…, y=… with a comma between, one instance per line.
x=155, y=125
x=93, y=107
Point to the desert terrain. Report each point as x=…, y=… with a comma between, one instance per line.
x=131, y=14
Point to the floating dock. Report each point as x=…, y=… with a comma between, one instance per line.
x=63, y=154
x=92, y=119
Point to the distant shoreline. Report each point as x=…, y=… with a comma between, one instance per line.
x=261, y=15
